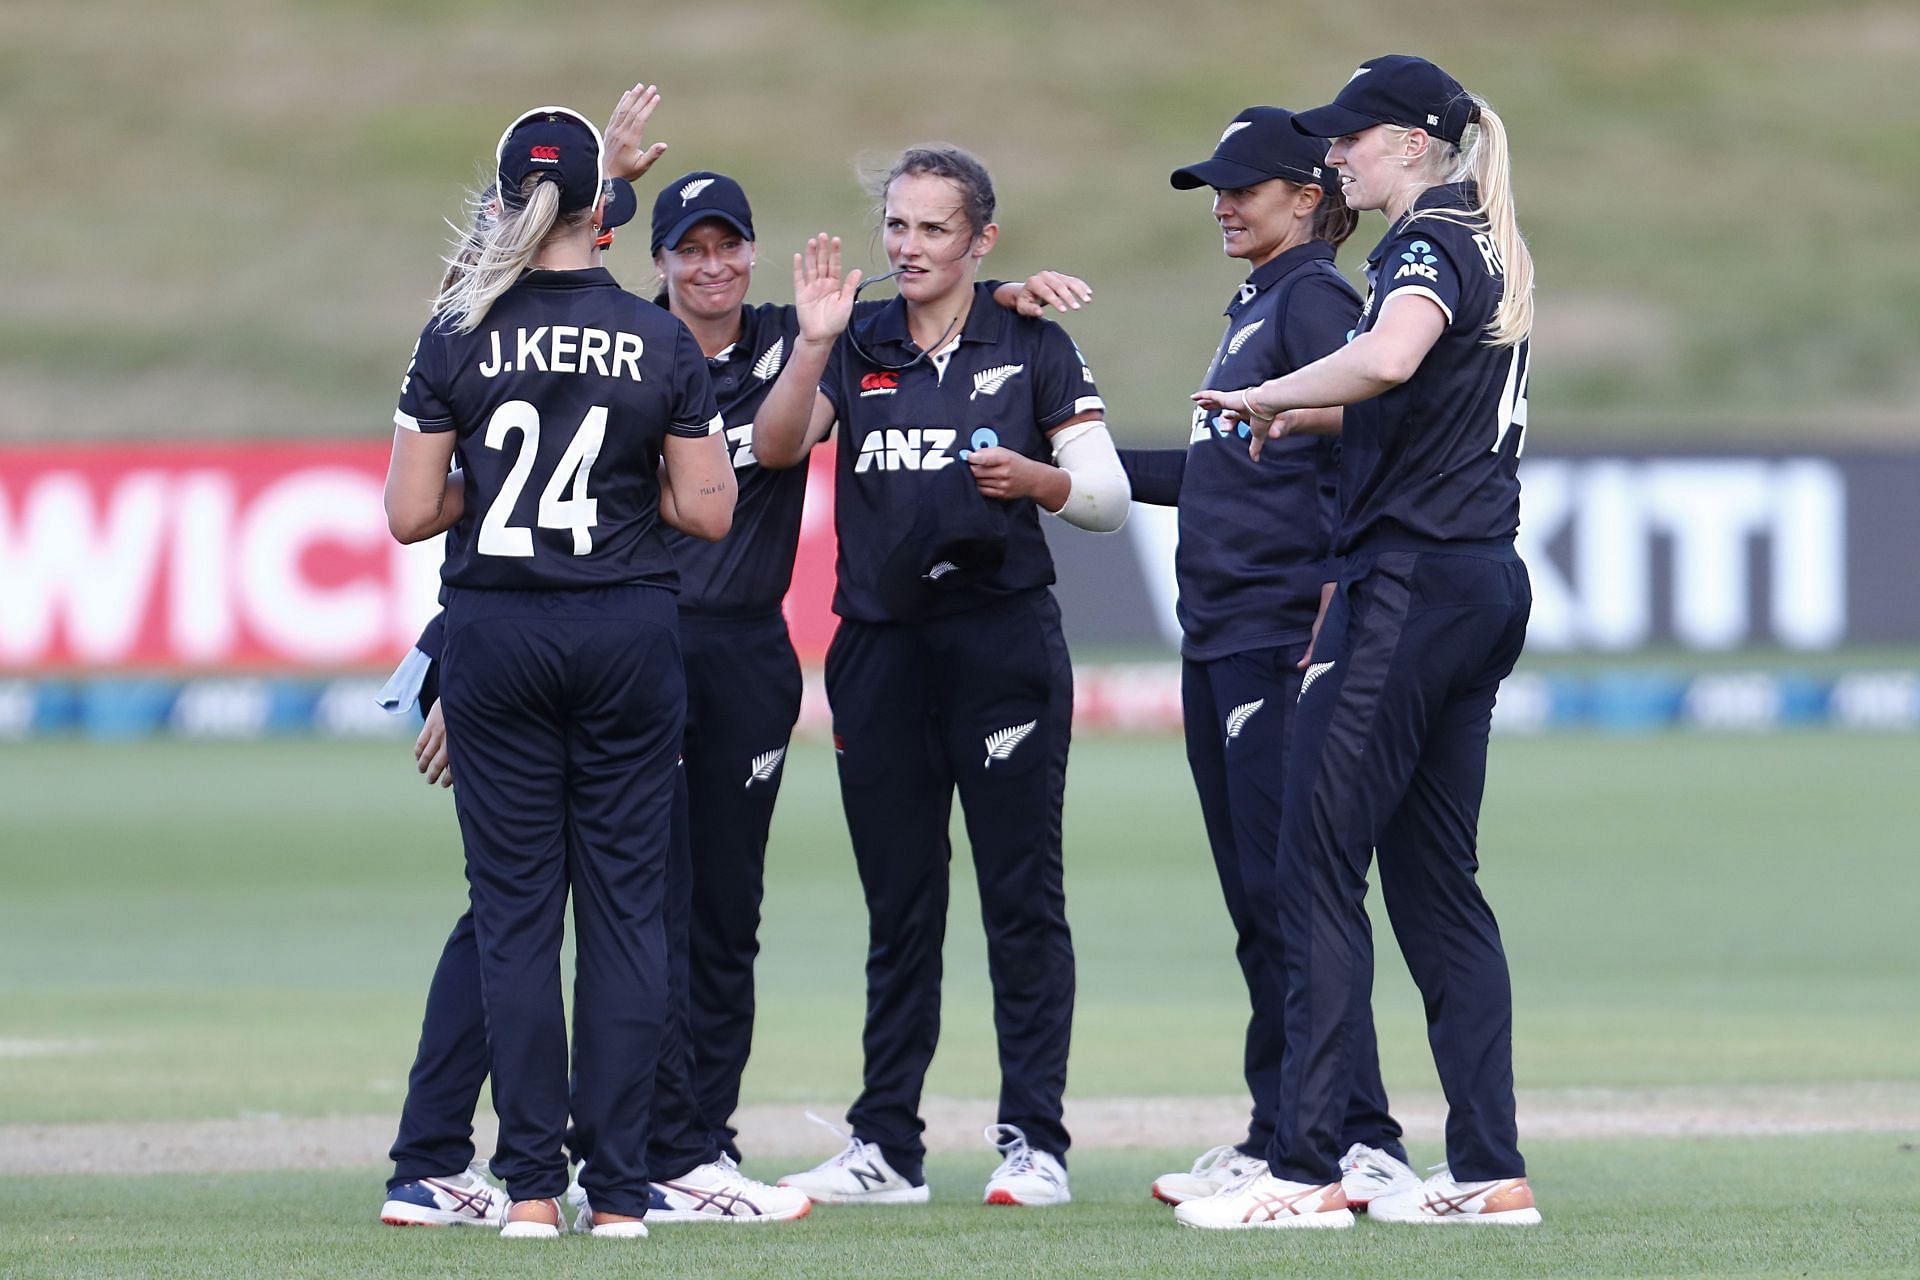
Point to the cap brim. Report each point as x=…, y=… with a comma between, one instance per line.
x=1332, y=121
x=1225, y=175
x=621, y=205
x=693, y=220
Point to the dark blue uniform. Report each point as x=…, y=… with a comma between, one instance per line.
x=743, y=698
x=1254, y=547
x=1390, y=747
x=564, y=698
x=970, y=688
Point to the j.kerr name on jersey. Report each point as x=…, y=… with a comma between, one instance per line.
x=905, y=449
x=566, y=348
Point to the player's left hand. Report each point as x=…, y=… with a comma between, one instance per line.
x=999, y=472
x=430, y=748
x=1054, y=289
x=627, y=156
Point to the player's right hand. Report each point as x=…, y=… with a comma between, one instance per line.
x=823, y=301
x=430, y=748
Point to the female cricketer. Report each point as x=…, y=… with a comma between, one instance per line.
x=949, y=668
x=561, y=397
x=1252, y=566
x=1428, y=615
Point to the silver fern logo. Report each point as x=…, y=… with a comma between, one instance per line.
x=769, y=362
x=764, y=766
x=940, y=571
x=1234, y=128
x=1002, y=744
x=1238, y=717
x=988, y=381
x=692, y=189
x=1239, y=340
x=1314, y=672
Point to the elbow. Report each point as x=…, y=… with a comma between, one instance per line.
x=408, y=527
x=710, y=526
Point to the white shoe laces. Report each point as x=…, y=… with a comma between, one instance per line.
x=1213, y=1159
x=853, y=1145
x=1019, y=1156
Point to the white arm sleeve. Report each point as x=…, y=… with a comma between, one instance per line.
x=1100, y=495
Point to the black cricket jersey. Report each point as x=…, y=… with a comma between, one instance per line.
x=750, y=569
x=562, y=400
x=1255, y=537
x=1437, y=457
x=1009, y=380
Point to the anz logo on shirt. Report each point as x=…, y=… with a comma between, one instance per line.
x=905, y=449
x=1418, y=260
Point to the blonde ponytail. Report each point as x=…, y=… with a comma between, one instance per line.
x=1482, y=159
x=493, y=252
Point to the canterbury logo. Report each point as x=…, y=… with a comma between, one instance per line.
x=764, y=765
x=1236, y=127
x=1314, y=672
x=692, y=189
x=1002, y=744
x=988, y=381
x=1239, y=339
x=769, y=363
x=1238, y=717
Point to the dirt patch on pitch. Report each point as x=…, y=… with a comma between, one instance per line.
x=953, y=1125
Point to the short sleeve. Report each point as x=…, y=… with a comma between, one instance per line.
x=1418, y=261
x=1321, y=316
x=424, y=390
x=695, y=411
x=1063, y=385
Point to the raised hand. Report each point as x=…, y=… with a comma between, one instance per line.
x=1054, y=289
x=823, y=301
x=627, y=156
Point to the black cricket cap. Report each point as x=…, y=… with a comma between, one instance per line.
x=958, y=539
x=621, y=205
x=1396, y=89
x=558, y=143
x=1260, y=144
x=694, y=198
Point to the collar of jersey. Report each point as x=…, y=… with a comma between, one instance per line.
x=1272, y=273
x=1453, y=195
x=584, y=278
x=986, y=322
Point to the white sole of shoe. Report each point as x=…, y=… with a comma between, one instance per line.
x=1332, y=1220
x=667, y=1217
x=397, y=1213
x=620, y=1231
x=900, y=1195
x=529, y=1231
x=1506, y=1218
x=1008, y=1198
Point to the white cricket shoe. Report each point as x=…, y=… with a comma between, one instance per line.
x=534, y=1227
x=466, y=1199
x=1367, y=1173
x=1025, y=1176
x=1212, y=1173
x=1441, y=1200
x=719, y=1192
x=1264, y=1201
x=858, y=1175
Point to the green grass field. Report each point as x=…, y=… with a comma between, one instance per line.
x=289, y=162
x=201, y=931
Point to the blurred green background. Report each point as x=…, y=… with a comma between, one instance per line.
x=224, y=216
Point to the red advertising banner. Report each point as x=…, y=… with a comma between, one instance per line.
x=257, y=557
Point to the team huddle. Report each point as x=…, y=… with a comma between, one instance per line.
x=620, y=482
